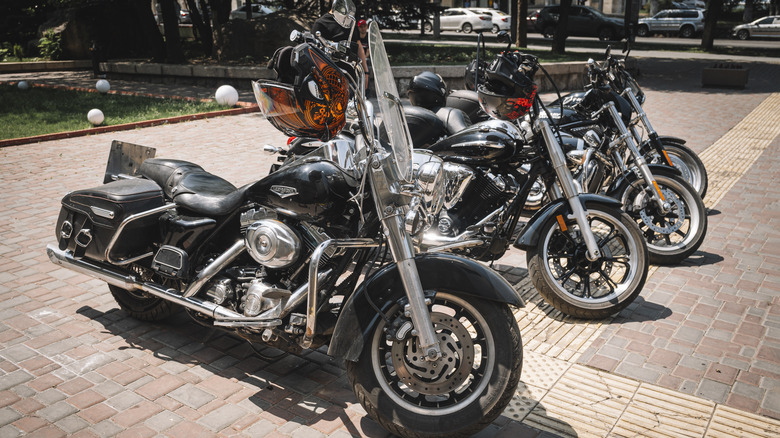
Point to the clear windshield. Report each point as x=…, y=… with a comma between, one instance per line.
x=390, y=107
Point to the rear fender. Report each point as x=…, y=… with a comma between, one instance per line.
x=439, y=272
x=531, y=233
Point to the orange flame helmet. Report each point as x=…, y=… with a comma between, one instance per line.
x=309, y=97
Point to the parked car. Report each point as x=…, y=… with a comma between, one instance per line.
x=583, y=21
x=767, y=27
x=683, y=22
x=464, y=20
x=689, y=4
x=501, y=20
x=257, y=10
x=396, y=21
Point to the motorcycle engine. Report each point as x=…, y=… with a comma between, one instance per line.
x=474, y=197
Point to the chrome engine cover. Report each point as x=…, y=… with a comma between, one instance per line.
x=272, y=243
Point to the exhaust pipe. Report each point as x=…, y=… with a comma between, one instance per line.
x=129, y=282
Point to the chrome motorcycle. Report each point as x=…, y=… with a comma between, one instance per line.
x=291, y=261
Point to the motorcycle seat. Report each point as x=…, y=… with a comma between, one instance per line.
x=191, y=187
x=454, y=120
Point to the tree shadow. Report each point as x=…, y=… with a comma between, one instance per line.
x=307, y=388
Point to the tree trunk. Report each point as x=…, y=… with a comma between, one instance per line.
x=202, y=30
x=522, y=21
x=561, y=31
x=713, y=13
x=173, y=51
x=514, y=20
x=220, y=14
x=149, y=30
x=654, y=7
x=747, y=14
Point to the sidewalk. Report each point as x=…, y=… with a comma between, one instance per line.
x=697, y=355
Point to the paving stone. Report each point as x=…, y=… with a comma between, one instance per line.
x=712, y=390
x=8, y=416
x=222, y=418
x=57, y=411
x=191, y=396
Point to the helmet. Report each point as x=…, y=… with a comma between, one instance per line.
x=309, y=97
x=508, y=90
x=427, y=90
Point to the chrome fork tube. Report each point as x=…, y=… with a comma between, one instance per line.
x=640, y=112
x=569, y=189
x=638, y=159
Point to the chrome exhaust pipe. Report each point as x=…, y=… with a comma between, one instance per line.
x=129, y=282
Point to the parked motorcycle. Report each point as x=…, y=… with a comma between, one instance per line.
x=669, y=211
x=294, y=259
x=670, y=151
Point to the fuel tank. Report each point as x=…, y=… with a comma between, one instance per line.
x=482, y=144
x=312, y=189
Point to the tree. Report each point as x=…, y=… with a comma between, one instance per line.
x=522, y=23
x=201, y=24
x=561, y=31
x=170, y=14
x=710, y=20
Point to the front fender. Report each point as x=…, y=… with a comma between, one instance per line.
x=530, y=235
x=439, y=272
x=656, y=169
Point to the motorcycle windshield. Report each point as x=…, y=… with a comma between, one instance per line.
x=390, y=107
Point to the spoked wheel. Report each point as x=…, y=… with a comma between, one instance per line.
x=672, y=235
x=688, y=163
x=456, y=395
x=567, y=280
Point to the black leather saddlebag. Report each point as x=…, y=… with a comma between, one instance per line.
x=89, y=219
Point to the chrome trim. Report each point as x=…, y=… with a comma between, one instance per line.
x=121, y=228
x=129, y=282
x=217, y=265
x=480, y=143
x=102, y=212
x=314, y=278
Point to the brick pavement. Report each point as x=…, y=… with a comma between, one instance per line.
x=72, y=364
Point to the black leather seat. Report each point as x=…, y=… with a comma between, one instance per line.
x=192, y=187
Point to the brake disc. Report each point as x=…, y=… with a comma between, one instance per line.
x=447, y=373
x=672, y=221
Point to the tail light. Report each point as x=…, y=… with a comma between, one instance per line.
x=484, y=18
x=504, y=19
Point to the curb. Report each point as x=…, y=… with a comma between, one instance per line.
x=244, y=108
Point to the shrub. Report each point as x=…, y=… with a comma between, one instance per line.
x=51, y=44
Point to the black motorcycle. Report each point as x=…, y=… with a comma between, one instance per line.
x=586, y=257
x=295, y=261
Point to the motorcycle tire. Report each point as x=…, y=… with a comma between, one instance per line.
x=457, y=395
x=688, y=163
x=140, y=306
x=577, y=287
x=671, y=237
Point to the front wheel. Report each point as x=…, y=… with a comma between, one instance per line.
x=672, y=235
x=606, y=34
x=567, y=280
x=456, y=395
x=643, y=31
x=427, y=27
x=743, y=34
x=687, y=162
x=548, y=32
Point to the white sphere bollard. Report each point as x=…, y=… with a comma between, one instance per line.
x=95, y=116
x=103, y=86
x=226, y=95
x=23, y=85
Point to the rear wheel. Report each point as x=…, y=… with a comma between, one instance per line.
x=576, y=286
x=606, y=34
x=495, y=28
x=687, y=32
x=142, y=306
x=466, y=28
x=427, y=27
x=454, y=396
x=643, y=31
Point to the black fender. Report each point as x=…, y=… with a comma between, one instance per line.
x=656, y=169
x=670, y=139
x=530, y=235
x=439, y=272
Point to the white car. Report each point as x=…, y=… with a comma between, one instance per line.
x=464, y=20
x=767, y=27
x=501, y=20
x=257, y=10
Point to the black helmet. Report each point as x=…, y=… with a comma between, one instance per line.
x=427, y=90
x=309, y=97
x=508, y=91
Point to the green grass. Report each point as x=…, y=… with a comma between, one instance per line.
x=38, y=111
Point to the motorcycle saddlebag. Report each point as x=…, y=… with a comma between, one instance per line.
x=89, y=219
